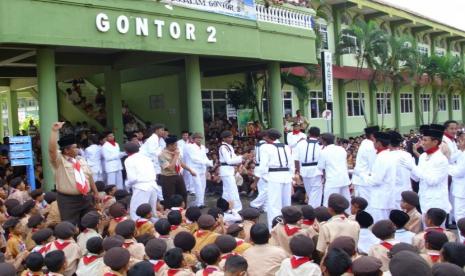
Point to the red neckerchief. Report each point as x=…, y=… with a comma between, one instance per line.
x=386, y=245
x=31, y=273
x=172, y=271
x=44, y=249
x=431, y=150
x=200, y=233
x=209, y=270
x=90, y=258
x=449, y=136
x=107, y=198
x=174, y=227
x=298, y=261
x=158, y=265
x=291, y=231
x=179, y=209
x=434, y=257
x=109, y=274
x=33, y=230
x=308, y=222
x=140, y=222
x=127, y=244
x=239, y=242
x=164, y=236
x=120, y=219
x=295, y=132
x=226, y=256
x=378, y=151
x=113, y=143
x=60, y=246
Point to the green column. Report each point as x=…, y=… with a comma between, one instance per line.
x=462, y=102
x=449, y=105
x=113, y=103
x=396, y=99
x=13, y=122
x=2, y=132
x=48, y=109
x=342, y=108
x=276, y=101
x=194, y=94
x=434, y=101
x=373, y=116
x=416, y=105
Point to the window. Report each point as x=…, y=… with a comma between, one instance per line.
x=440, y=52
x=455, y=102
x=423, y=49
x=425, y=102
x=287, y=103
x=323, y=31
x=349, y=43
x=406, y=103
x=317, y=104
x=442, y=105
x=215, y=104
x=355, y=104
x=383, y=103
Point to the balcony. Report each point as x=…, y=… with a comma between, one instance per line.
x=285, y=14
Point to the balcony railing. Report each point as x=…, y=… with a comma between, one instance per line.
x=283, y=16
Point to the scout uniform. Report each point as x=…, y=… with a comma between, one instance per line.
x=159, y=266
x=178, y=272
x=144, y=226
x=281, y=234
x=175, y=229
x=264, y=259
x=118, y=214
x=419, y=239
x=300, y=263
x=383, y=230
x=64, y=232
x=116, y=259
x=211, y=270
x=249, y=215
x=53, y=217
x=89, y=221
x=90, y=264
x=203, y=236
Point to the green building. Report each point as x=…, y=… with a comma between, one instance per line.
x=175, y=62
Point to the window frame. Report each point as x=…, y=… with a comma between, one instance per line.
x=456, y=102
x=380, y=99
x=423, y=99
x=406, y=103
x=442, y=103
x=350, y=50
x=352, y=99
x=318, y=99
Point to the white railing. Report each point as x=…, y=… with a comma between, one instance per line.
x=283, y=17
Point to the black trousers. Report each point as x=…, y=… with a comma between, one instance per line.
x=172, y=185
x=74, y=207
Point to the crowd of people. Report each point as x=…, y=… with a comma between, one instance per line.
x=378, y=204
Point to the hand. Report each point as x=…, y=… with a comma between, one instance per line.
x=192, y=172
x=57, y=126
x=416, y=146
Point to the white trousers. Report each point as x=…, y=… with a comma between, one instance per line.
x=199, y=182
x=97, y=176
x=314, y=190
x=260, y=200
x=115, y=178
x=188, y=180
x=140, y=197
x=230, y=192
x=378, y=214
x=279, y=196
x=344, y=191
x=362, y=191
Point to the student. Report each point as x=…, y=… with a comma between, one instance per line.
x=226, y=244
x=34, y=263
x=52, y=210
x=186, y=241
x=64, y=233
x=117, y=259
x=155, y=251
x=385, y=231
x=210, y=256
x=218, y=215
x=400, y=219
x=90, y=223
x=109, y=197
x=175, y=261
x=163, y=228
x=141, y=268
x=236, y=230
x=92, y=262
x=446, y=269
x=205, y=234
x=367, y=266
x=336, y=262
x=55, y=261
x=406, y=263
x=7, y=269
x=357, y=204
x=175, y=219
x=127, y=230
x=434, y=218
x=300, y=263
x=453, y=252
x=42, y=239
x=366, y=238
x=192, y=214
x=118, y=214
x=409, y=203
x=282, y=233
x=250, y=217
x=235, y=266
x=178, y=204
x=308, y=224
x=34, y=224
x=230, y=215
x=38, y=197
x=18, y=190
x=347, y=244
x=144, y=223
x=433, y=243
x=263, y=258
x=15, y=244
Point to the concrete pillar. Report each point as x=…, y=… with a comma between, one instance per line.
x=276, y=97
x=113, y=104
x=2, y=131
x=194, y=94
x=13, y=122
x=416, y=106
x=48, y=107
x=373, y=115
x=342, y=112
x=396, y=99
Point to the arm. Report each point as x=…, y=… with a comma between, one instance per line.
x=109, y=154
x=131, y=175
x=52, y=143
x=458, y=169
x=433, y=176
x=228, y=158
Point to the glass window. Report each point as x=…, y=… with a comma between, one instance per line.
x=423, y=49
x=355, y=104
x=206, y=94
x=383, y=103
x=317, y=104
x=323, y=31
x=442, y=103
x=455, y=102
x=350, y=42
x=425, y=102
x=406, y=103
x=287, y=102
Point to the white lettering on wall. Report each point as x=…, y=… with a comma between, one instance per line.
x=159, y=24
x=102, y=23
x=175, y=30
x=122, y=24
x=190, y=31
x=142, y=26
x=212, y=34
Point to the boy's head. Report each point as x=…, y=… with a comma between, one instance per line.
x=174, y=258
x=345, y=243
x=336, y=262
x=177, y=201
x=337, y=204
x=364, y=219
x=301, y=246
x=144, y=211
x=163, y=227
x=155, y=249
x=249, y=214
x=50, y=197
x=55, y=261
x=222, y=204
x=358, y=204
x=384, y=229
x=12, y=225
x=322, y=214
x=193, y=213
x=434, y=240
x=35, y=262
x=37, y=195
x=29, y=207
x=42, y=236
x=435, y=217
x=126, y=229
x=399, y=218
x=17, y=211
x=64, y=230
x=18, y=183
x=215, y=212
x=117, y=259
x=145, y=238
x=141, y=268
x=453, y=252
x=235, y=266
x=184, y=240
x=226, y=243
x=90, y=220
x=117, y=210
x=409, y=201
x=206, y=222
x=236, y=230
x=35, y=221
x=110, y=190
x=461, y=226
x=291, y=214
x=174, y=217
x=308, y=213
x=259, y=233
x=95, y=245
x=112, y=241
x=7, y=269
x=10, y=204
x=210, y=254
x=100, y=185
x=367, y=266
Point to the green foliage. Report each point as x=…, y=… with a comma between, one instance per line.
x=24, y=125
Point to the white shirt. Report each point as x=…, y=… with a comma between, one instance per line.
x=365, y=158
x=432, y=173
x=151, y=148
x=93, y=155
x=307, y=151
x=257, y=172
x=140, y=172
x=457, y=171
x=333, y=159
x=453, y=150
x=231, y=217
x=403, y=235
x=272, y=156
x=196, y=157
x=307, y=269
x=162, y=143
x=228, y=156
x=94, y=268
x=366, y=239
x=181, y=144
x=292, y=138
x=112, y=157
x=403, y=182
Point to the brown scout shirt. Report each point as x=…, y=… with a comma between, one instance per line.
x=64, y=174
x=203, y=238
x=419, y=239
x=72, y=254
x=282, y=234
x=264, y=259
x=414, y=224
x=335, y=227
x=381, y=250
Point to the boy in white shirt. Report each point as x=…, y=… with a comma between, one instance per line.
x=400, y=219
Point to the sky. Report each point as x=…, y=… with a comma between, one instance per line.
x=450, y=12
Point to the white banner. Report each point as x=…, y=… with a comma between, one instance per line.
x=327, y=62
x=237, y=8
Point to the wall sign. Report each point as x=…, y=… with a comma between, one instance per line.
x=327, y=64
x=237, y=8
x=21, y=154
